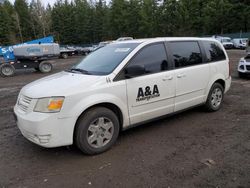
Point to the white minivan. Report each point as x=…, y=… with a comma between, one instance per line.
x=240, y=43
x=226, y=42
x=119, y=86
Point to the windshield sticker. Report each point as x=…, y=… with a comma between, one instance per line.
x=122, y=49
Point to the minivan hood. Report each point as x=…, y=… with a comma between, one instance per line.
x=60, y=84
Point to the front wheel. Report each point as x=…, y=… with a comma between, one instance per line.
x=215, y=97
x=96, y=130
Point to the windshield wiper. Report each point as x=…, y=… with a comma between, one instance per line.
x=78, y=70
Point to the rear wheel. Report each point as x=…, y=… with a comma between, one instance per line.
x=7, y=70
x=45, y=67
x=96, y=130
x=215, y=97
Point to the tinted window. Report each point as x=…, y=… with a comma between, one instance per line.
x=213, y=51
x=186, y=53
x=104, y=60
x=152, y=57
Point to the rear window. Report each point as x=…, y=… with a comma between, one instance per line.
x=186, y=53
x=213, y=51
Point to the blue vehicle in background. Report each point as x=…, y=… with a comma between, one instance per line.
x=35, y=54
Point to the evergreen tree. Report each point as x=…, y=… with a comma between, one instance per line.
x=118, y=17
x=23, y=20
x=217, y=14
x=169, y=19
x=147, y=21
x=39, y=19
x=7, y=24
x=91, y=21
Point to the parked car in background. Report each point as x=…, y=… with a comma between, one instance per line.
x=240, y=43
x=124, y=38
x=83, y=50
x=102, y=44
x=244, y=66
x=66, y=51
x=226, y=42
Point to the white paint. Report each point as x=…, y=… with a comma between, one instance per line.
x=179, y=89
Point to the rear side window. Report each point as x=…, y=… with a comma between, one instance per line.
x=213, y=51
x=152, y=57
x=186, y=53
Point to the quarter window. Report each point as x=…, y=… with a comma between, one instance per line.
x=213, y=51
x=186, y=53
x=152, y=57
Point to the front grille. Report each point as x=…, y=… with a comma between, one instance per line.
x=248, y=67
x=24, y=103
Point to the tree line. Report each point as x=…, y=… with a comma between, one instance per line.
x=88, y=21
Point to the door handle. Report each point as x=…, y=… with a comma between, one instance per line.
x=181, y=75
x=167, y=78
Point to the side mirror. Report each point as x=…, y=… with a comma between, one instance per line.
x=134, y=70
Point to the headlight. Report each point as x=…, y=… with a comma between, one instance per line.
x=49, y=105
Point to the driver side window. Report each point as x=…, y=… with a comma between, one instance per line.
x=153, y=58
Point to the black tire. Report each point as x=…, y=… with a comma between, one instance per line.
x=241, y=75
x=64, y=55
x=87, y=127
x=45, y=67
x=7, y=70
x=212, y=103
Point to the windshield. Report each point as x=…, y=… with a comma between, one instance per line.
x=244, y=40
x=226, y=40
x=104, y=60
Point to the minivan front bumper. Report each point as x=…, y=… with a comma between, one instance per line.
x=45, y=129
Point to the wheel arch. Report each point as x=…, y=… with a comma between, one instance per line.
x=219, y=78
x=111, y=106
x=222, y=82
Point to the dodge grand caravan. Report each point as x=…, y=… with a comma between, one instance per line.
x=119, y=86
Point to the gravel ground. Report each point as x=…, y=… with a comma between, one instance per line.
x=190, y=149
